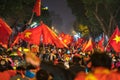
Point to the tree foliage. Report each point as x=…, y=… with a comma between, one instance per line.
x=99, y=15
x=20, y=11
x=16, y=10
x=83, y=29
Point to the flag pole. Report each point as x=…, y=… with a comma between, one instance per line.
x=29, y=22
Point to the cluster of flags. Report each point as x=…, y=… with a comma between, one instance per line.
x=42, y=33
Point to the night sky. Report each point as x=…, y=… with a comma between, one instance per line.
x=60, y=7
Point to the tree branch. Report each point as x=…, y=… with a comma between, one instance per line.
x=99, y=19
x=117, y=11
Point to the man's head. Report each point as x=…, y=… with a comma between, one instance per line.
x=42, y=75
x=101, y=60
x=76, y=59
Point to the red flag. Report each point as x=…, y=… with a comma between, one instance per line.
x=37, y=8
x=108, y=48
x=79, y=42
x=88, y=46
x=47, y=38
x=43, y=33
x=5, y=32
x=61, y=35
x=16, y=40
x=114, y=40
x=66, y=38
x=83, y=45
x=50, y=37
x=32, y=35
x=100, y=44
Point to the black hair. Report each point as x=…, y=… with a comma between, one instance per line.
x=76, y=59
x=58, y=71
x=101, y=59
x=4, y=65
x=42, y=75
x=30, y=67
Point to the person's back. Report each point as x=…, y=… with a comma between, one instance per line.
x=76, y=66
x=58, y=71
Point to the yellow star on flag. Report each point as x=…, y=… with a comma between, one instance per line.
x=117, y=38
x=27, y=34
x=65, y=41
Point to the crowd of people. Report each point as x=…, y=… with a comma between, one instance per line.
x=51, y=63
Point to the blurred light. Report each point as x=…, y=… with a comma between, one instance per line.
x=45, y=8
x=52, y=28
x=73, y=32
x=76, y=36
x=55, y=30
x=34, y=24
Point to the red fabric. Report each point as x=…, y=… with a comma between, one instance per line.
x=100, y=44
x=16, y=41
x=6, y=75
x=5, y=32
x=88, y=46
x=114, y=40
x=80, y=76
x=66, y=38
x=83, y=45
x=79, y=42
x=62, y=34
x=108, y=48
x=37, y=8
x=32, y=35
x=42, y=33
x=49, y=37
x=99, y=74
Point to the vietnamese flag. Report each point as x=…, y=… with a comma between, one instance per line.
x=41, y=33
x=46, y=35
x=66, y=38
x=5, y=32
x=32, y=35
x=88, y=46
x=114, y=40
x=61, y=34
x=37, y=8
x=49, y=37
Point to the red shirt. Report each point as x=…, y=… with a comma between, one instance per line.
x=99, y=74
x=6, y=75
